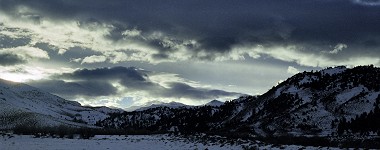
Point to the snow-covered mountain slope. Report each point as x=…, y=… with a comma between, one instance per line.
x=21, y=104
x=314, y=102
x=309, y=103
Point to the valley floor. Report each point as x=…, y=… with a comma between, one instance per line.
x=141, y=142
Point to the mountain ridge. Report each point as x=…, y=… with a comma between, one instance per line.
x=308, y=103
x=172, y=104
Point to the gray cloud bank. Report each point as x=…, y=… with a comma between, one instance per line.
x=101, y=82
x=10, y=59
x=219, y=30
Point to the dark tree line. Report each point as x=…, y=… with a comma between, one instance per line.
x=364, y=123
x=185, y=120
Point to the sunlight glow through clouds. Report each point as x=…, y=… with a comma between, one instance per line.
x=24, y=73
x=22, y=76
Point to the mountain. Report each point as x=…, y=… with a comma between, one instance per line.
x=162, y=104
x=214, y=103
x=21, y=104
x=309, y=103
x=173, y=104
x=313, y=102
x=155, y=104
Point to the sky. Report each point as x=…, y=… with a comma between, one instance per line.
x=120, y=53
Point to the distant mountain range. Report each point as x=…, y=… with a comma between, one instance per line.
x=309, y=103
x=155, y=104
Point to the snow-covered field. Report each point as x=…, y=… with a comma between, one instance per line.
x=131, y=142
x=103, y=142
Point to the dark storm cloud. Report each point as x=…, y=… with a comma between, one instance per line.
x=9, y=42
x=97, y=82
x=7, y=59
x=217, y=26
x=132, y=78
x=10, y=60
x=122, y=73
x=71, y=89
x=94, y=82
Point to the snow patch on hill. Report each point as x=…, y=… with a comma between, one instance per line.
x=24, y=104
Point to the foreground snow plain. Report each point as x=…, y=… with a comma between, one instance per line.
x=130, y=142
x=104, y=142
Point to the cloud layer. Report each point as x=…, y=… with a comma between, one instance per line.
x=121, y=81
x=160, y=31
x=195, y=50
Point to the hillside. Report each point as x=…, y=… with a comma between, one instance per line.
x=314, y=102
x=21, y=104
x=309, y=103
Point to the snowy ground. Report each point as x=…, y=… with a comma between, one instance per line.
x=131, y=142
